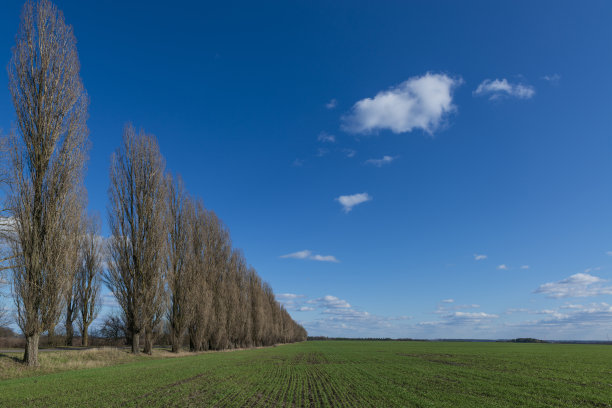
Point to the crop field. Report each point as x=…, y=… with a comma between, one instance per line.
x=337, y=373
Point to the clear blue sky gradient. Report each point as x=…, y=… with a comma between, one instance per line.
x=236, y=94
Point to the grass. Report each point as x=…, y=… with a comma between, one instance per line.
x=334, y=373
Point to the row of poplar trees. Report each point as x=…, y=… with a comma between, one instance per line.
x=169, y=261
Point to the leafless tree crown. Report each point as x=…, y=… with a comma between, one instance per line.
x=136, y=217
x=47, y=157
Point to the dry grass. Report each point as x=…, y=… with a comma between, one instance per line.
x=54, y=361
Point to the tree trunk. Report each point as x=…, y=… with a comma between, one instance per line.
x=85, y=336
x=176, y=343
x=51, y=337
x=191, y=341
x=136, y=343
x=30, y=357
x=148, y=345
x=69, y=332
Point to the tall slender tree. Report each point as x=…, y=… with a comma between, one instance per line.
x=48, y=153
x=71, y=297
x=88, y=277
x=178, y=264
x=136, y=218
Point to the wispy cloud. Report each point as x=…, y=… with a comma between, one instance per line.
x=321, y=151
x=349, y=201
x=288, y=296
x=460, y=319
x=381, y=162
x=331, y=104
x=418, y=103
x=502, y=267
x=553, y=78
x=331, y=302
x=349, y=152
x=524, y=266
x=307, y=254
x=448, y=300
x=609, y=253
x=298, y=163
x=480, y=257
x=577, y=285
x=339, y=318
x=499, y=88
x=326, y=138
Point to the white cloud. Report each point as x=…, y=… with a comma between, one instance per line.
x=499, y=88
x=524, y=266
x=349, y=152
x=321, y=151
x=554, y=78
x=324, y=258
x=305, y=309
x=331, y=302
x=349, y=201
x=479, y=257
x=418, y=103
x=288, y=296
x=331, y=104
x=109, y=300
x=448, y=300
x=307, y=254
x=609, y=253
x=326, y=138
x=460, y=319
x=298, y=163
x=503, y=267
x=577, y=285
x=381, y=162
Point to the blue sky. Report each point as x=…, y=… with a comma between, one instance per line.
x=405, y=169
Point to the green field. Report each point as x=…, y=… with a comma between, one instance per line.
x=338, y=373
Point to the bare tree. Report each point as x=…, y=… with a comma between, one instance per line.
x=179, y=271
x=136, y=218
x=202, y=303
x=47, y=160
x=88, y=277
x=71, y=298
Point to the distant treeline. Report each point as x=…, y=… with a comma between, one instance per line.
x=313, y=338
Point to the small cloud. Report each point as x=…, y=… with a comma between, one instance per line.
x=321, y=151
x=418, y=103
x=305, y=309
x=502, y=267
x=298, y=163
x=480, y=257
x=306, y=254
x=331, y=104
x=554, y=78
x=609, y=253
x=497, y=89
x=288, y=296
x=577, y=285
x=349, y=201
x=349, y=152
x=448, y=300
x=326, y=138
x=524, y=266
x=380, y=162
x=324, y=258
x=332, y=302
